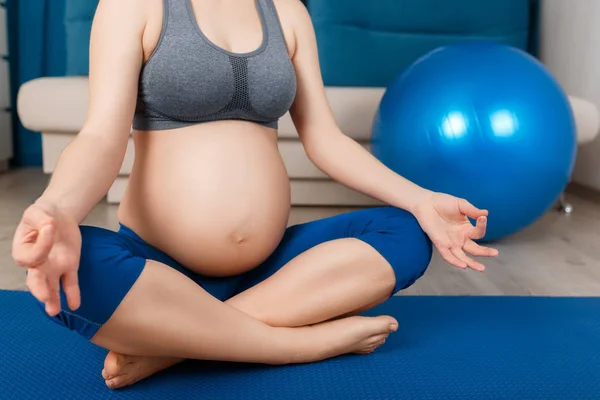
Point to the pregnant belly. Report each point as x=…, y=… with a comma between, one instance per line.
x=215, y=197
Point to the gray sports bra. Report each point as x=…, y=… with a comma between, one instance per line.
x=189, y=79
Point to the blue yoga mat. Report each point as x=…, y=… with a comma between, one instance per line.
x=515, y=348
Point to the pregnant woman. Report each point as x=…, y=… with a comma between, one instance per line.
x=203, y=266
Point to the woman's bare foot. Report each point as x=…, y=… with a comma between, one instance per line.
x=360, y=335
x=121, y=370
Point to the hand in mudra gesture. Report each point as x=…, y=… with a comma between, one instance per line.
x=445, y=219
x=47, y=243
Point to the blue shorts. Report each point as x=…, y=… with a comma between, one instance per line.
x=111, y=261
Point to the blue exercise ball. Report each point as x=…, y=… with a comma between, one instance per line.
x=481, y=121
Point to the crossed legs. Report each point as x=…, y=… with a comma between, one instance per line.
x=324, y=283
x=294, y=308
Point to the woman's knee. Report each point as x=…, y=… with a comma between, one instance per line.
x=107, y=270
x=420, y=242
x=399, y=238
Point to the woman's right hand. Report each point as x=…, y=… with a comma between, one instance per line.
x=47, y=243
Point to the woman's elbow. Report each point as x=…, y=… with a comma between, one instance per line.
x=321, y=146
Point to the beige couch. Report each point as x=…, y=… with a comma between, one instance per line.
x=57, y=107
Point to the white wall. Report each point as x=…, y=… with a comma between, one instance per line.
x=570, y=47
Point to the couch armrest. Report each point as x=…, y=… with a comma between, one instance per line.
x=54, y=104
x=587, y=119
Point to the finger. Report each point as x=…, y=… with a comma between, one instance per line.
x=23, y=239
x=70, y=286
x=460, y=254
x=479, y=251
x=478, y=231
x=28, y=254
x=53, y=303
x=470, y=210
x=451, y=258
x=30, y=236
x=38, y=285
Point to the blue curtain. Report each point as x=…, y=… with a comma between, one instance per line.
x=37, y=40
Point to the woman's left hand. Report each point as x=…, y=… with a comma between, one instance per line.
x=445, y=219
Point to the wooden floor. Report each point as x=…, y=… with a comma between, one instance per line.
x=557, y=256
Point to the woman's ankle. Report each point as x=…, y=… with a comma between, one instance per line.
x=301, y=345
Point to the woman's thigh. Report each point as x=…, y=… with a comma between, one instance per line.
x=110, y=264
x=393, y=232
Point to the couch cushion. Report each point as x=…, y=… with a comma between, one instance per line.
x=304, y=192
x=78, y=24
x=361, y=44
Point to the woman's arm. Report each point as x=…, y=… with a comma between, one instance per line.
x=443, y=217
x=328, y=148
x=90, y=163
x=47, y=241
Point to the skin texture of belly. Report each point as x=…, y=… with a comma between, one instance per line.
x=214, y=196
